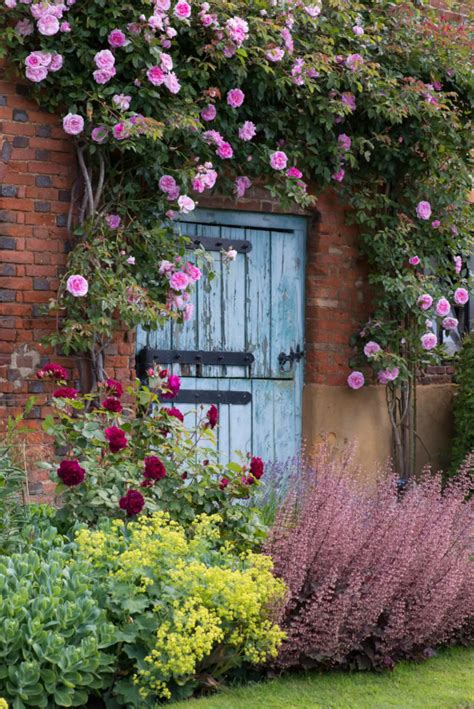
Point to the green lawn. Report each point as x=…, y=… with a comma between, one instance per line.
x=446, y=681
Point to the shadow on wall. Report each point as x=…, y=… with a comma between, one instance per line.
x=338, y=415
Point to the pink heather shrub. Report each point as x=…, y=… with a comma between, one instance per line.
x=373, y=575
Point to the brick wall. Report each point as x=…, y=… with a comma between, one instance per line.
x=37, y=170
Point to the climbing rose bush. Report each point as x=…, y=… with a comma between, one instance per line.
x=125, y=453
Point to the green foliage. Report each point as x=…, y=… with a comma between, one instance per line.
x=189, y=608
x=463, y=442
x=53, y=631
x=13, y=512
x=191, y=485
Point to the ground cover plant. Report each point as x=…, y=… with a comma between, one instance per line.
x=373, y=576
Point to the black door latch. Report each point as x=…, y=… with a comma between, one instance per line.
x=289, y=359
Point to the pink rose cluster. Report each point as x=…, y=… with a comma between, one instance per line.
x=205, y=178
x=48, y=16
x=105, y=63
x=180, y=278
x=162, y=75
x=39, y=64
x=223, y=149
x=167, y=184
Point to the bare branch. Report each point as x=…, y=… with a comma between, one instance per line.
x=87, y=178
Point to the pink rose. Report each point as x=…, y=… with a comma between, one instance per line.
x=117, y=38
x=339, y=175
x=354, y=62
x=391, y=373
x=436, y=224
x=179, y=281
x=450, y=323
x=156, y=75
x=121, y=101
x=414, y=260
x=423, y=210
x=457, y=260
x=429, y=341
x=294, y=172
x=241, y=185
x=358, y=30
x=355, y=380
x=64, y=27
x=442, y=307
x=104, y=59
x=48, y=25
x=235, y=98
x=186, y=204
x=247, y=131
x=77, y=285
x=165, y=267
x=172, y=84
x=237, y=29
x=73, y=124
x=461, y=296
x=182, y=10
x=344, y=141
x=120, y=132
x=278, y=160
x=166, y=61
x=24, y=28
x=99, y=134
x=275, y=54
x=209, y=113
x=371, y=349
x=113, y=221
x=102, y=76
x=225, y=151
x=56, y=62
x=193, y=272
x=36, y=73
x=188, y=311
x=425, y=301
x=167, y=183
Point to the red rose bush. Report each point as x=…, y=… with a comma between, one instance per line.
x=127, y=454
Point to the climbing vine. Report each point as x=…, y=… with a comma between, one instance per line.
x=169, y=100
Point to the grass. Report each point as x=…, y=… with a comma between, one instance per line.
x=444, y=682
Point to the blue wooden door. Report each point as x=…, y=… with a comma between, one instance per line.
x=256, y=306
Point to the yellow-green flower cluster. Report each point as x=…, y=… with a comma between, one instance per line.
x=3, y=703
x=211, y=605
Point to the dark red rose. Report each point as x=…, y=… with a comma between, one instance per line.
x=163, y=373
x=154, y=468
x=53, y=371
x=223, y=483
x=71, y=473
x=173, y=411
x=147, y=483
x=132, y=502
x=184, y=476
x=173, y=385
x=248, y=480
x=257, y=467
x=205, y=462
x=212, y=416
x=114, y=388
x=112, y=404
x=65, y=393
x=116, y=438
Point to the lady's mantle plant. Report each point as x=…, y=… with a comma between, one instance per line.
x=169, y=100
